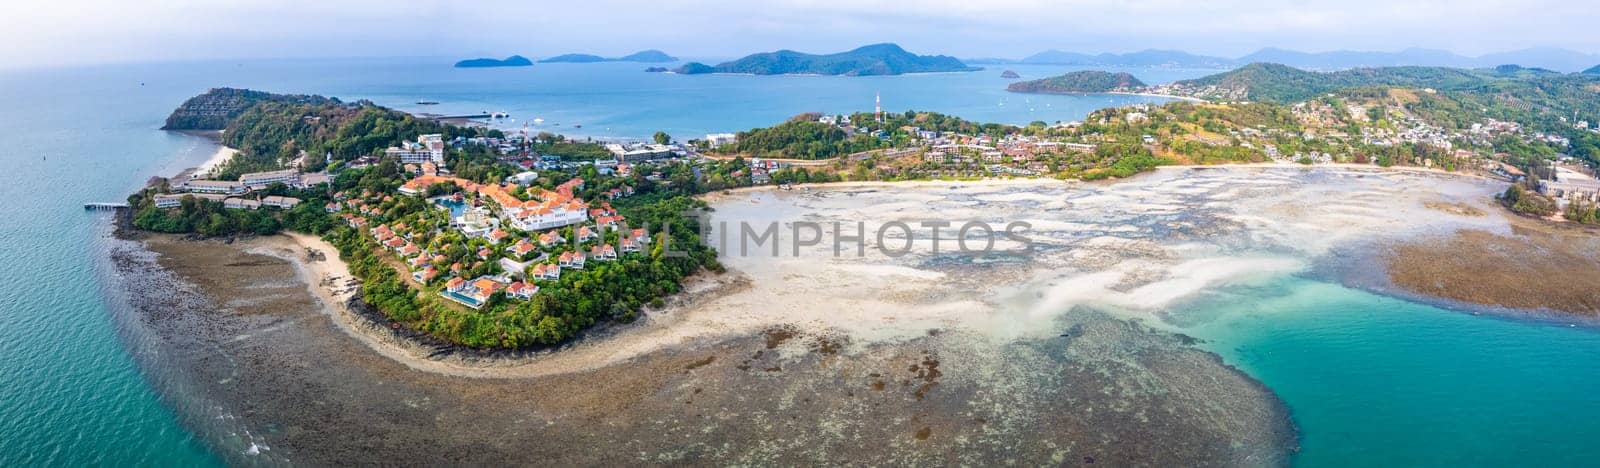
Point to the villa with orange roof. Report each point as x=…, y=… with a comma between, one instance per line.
x=603, y=252
x=426, y=275
x=522, y=248
x=522, y=290
x=473, y=293
x=550, y=239
x=573, y=260
x=545, y=271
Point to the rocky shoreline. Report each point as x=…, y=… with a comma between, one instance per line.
x=309, y=394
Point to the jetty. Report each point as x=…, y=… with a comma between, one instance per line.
x=105, y=206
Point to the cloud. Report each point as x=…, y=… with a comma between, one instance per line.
x=104, y=30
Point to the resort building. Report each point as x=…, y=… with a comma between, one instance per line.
x=280, y=202
x=719, y=139
x=240, y=203
x=1571, y=185
x=213, y=186
x=168, y=200
x=173, y=200
x=258, y=180
x=427, y=148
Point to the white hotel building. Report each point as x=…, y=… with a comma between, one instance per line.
x=427, y=148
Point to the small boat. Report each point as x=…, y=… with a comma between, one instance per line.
x=538, y=121
x=577, y=125
x=426, y=102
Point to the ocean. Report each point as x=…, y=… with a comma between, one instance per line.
x=1370, y=380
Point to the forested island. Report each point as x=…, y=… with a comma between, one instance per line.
x=876, y=59
x=512, y=61
x=1086, y=81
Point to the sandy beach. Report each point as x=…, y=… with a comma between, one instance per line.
x=208, y=168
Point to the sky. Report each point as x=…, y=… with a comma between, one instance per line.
x=64, y=32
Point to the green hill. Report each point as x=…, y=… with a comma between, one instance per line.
x=1086, y=81
x=648, y=56
x=1281, y=83
x=214, y=109
x=574, y=58
x=1595, y=70
x=876, y=59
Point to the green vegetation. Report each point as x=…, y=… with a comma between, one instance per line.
x=802, y=139
x=215, y=108
x=209, y=218
x=1527, y=201
x=1085, y=81
x=603, y=292
x=876, y=59
x=1583, y=212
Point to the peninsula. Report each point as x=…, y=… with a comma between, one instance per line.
x=512, y=61
x=876, y=59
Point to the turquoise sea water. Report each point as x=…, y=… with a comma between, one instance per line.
x=1372, y=381
x=1378, y=381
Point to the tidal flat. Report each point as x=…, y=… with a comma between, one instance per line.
x=1068, y=352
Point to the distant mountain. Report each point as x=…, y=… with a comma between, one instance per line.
x=648, y=56
x=574, y=58
x=987, y=61
x=1086, y=81
x=1595, y=70
x=1539, y=57
x=876, y=59
x=1143, y=58
x=512, y=61
x=643, y=56
x=1341, y=59
x=1543, y=57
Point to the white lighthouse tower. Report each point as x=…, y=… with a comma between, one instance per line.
x=877, y=106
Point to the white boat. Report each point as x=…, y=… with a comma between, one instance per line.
x=538, y=121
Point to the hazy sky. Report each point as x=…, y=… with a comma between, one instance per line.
x=91, y=31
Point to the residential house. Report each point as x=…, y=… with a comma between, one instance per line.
x=521, y=290
x=523, y=248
